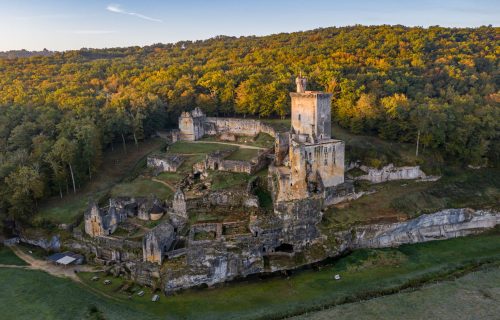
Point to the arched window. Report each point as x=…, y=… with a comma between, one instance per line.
x=299, y=116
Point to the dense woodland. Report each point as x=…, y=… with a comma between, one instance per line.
x=60, y=111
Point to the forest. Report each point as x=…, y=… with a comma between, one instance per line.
x=59, y=111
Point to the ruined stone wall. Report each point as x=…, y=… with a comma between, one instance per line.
x=326, y=160
x=217, y=161
x=223, y=198
x=298, y=173
x=241, y=127
x=169, y=164
x=339, y=193
x=156, y=242
x=390, y=172
x=281, y=147
x=106, y=248
x=191, y=125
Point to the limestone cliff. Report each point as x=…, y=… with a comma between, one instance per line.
x=445, y=224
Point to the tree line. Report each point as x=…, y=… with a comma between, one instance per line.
x=58, y=112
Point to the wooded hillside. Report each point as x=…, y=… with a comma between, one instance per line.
x=58, y=112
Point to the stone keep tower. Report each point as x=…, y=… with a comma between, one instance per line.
x=311, y=112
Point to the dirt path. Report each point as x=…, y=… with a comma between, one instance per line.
x=164, y=183
x=242, y=146
x=14, y=266
x=56, y=270
x=49, y=267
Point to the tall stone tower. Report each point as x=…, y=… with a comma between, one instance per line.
x=311, y=112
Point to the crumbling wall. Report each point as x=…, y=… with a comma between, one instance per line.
x=241, y=127
x=156, y=242
x=281, y=147
x=390, y=172
x=222, y=198
x=165, y=163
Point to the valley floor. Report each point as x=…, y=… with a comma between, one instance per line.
x=474, y=296
x=366, y=274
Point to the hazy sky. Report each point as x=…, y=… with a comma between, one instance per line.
x=71, y=24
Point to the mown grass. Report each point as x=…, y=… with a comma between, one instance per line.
x=364, y=273
x=185, y=147
x=7, y=256
x=474, y=296
x=261, y=140
x=224, y=180
x=141, y=187
x=29, y=294
x=243, y=154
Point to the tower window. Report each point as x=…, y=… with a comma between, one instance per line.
x=299, y=116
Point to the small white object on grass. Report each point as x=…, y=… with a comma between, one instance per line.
x=337, y=277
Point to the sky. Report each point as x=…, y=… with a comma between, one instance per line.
x=71, y=24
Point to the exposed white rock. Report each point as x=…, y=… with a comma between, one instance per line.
x=445, y=224
x=390, y=172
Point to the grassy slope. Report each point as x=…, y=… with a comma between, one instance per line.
x=243, y=154
x=141, y=187
x=28, y=294
x=474, y=296
x=116, y=166
x=405, y=199
x=9, y=257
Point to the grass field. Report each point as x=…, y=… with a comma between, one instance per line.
x=474, y=296
x=365, y=273
x=141, y=187
x=261, y=140
x=9, y=257
x=224, y=180
x=243, y=154
x=185, y=147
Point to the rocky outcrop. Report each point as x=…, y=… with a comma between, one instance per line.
x=49, y=244
x=445, y=224
x=390, y=172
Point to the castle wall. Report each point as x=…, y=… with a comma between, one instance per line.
x=326, y=161
x=156, y=242
x=170, y=164
x=281, y=147
x=242, y=127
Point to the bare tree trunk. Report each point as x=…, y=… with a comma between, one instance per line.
x=72, y=177
x=135, y=140
x=124, y=146
x=418, y=142
x=60, y=191
x=90, y=173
